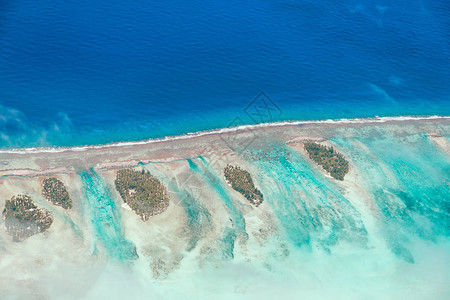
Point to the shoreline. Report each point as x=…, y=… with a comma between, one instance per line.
x=225, y=130
x=35, y=162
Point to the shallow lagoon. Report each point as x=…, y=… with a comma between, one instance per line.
x=382, y=233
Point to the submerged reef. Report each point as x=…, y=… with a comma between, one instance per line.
x=241, y=181
x=330, y=160
x=55, y=192
x=143, y=193
x=24, y=219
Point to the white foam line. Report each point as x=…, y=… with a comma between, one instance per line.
x=222, y=130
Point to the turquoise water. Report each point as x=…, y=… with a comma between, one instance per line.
x=408, y=180
x=201, y=167
x=198, y=217
x=91, y=72
x=311, y=208
x=383, y=233
x=105, y=219
x=219, y=186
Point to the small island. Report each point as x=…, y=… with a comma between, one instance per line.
x=24, y=219
x=330, y=160
x=142, y=192
x=55, y=191
x=241, y=181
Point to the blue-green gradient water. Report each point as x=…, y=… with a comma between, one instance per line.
x=81, y=72
x=310, y=207
x=91, y=72
x=105, y=218
x=385, y=236
x=382, y=233
x=219, y=186
x=409, y=180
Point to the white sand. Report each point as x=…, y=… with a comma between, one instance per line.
x=67, y=262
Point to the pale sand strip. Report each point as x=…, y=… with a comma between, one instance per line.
x=38, y=162
x=440, y=141
x=30, y=172
x=231, y=130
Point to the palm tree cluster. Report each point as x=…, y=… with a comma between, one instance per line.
x=143, y=192
x=55, y=191
x=330, y=160
x=24, y=219
x=241, y=181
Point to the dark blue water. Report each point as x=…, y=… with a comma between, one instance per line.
x=86, y=72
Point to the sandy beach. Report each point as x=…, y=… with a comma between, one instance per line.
x=45, y=161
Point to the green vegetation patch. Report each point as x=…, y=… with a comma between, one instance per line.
x=330, y=160
x=144, y=193
x=241, y=181
x=24, y=219
x=55, y=191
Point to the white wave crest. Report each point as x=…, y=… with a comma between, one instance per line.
x=222, y=130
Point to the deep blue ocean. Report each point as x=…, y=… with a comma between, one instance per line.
x=79, y=72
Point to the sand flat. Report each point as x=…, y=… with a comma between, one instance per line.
x=312, y=235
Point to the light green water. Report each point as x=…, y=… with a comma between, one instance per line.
x=198, y=217
x=408, y=178
x=310, y=239
x=202, y=169
x=106, y=220
x=309, y=206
